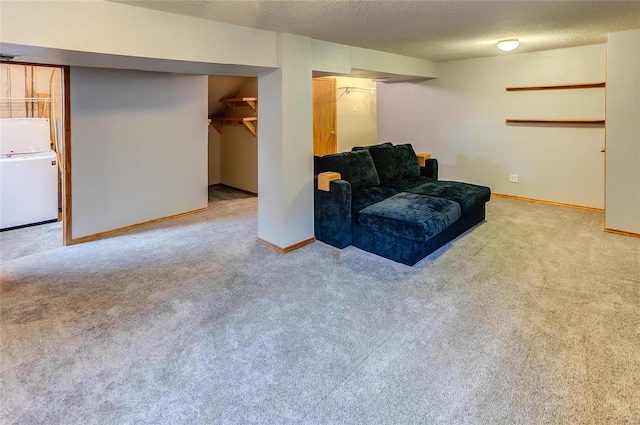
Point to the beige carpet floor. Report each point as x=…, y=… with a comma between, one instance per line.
x=532, y=317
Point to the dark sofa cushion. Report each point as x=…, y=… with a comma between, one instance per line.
x=355, y=167
x=407, y=160
x=405, y=184
x=386, y=163
x=362, y=148
x=393, y=162
x=410, y=216
x=364, y=197
x=467, y=195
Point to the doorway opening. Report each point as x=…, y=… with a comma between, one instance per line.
x=232, y=136
x=344, y=114
x=34, y=120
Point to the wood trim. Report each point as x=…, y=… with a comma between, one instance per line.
x=67, y=216
x=621, y=232
x=120, y=230
x=422, y=158
x=288, y=248
x=563, y=122
x=560, y=87
x=606, y=78
x=325, y=179
x=555, y=204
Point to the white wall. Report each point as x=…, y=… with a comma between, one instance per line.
x=623, y=131
x=460, y=119
x=374, y=60
x=336, y=58
x=356, y=113
x=139, y=147
x=122, y=31
x=215, y=149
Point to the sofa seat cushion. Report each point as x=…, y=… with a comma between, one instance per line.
x=364, y=197
x=410, y=216
x=467, y=195
x=404, y=185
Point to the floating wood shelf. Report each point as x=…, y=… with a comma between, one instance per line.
x=217, y=122
x=562, y=122
x=561, y=87
x=240, y=101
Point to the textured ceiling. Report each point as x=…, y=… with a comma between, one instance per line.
x=434, y=30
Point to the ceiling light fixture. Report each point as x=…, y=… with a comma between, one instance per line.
x=508, y=45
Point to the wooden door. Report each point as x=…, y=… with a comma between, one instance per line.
x=325, y=138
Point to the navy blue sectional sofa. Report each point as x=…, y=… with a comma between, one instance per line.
x=387, y=204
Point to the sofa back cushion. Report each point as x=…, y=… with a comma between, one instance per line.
x=393, y=162
x=407, y=160
x=362, y=148
x=385, y=161
x=355, y=167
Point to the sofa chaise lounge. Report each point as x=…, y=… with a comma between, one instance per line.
x=386, y=203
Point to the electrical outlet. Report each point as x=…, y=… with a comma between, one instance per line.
x=513, y=178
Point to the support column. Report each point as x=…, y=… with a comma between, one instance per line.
x=623, y=133
x=285, y=147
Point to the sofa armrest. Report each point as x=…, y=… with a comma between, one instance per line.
x=332, y=213
x=325, y=178
x=430, y=169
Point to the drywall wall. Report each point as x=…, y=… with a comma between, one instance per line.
x=123, y=31
x=356, y=113
x=213, y=157
x=239, y=158
x=367, y=59
x=330, y=57
x=335, y=59
x=460, y=119
x=623, y=131
x=139, y=147
x=285, y=150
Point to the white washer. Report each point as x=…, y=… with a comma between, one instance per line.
x=28, y=173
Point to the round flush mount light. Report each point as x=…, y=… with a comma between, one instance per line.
x=508, y=45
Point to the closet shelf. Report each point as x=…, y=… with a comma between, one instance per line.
x=562, y=122
x=240, y=101
x=560, y=87
x=217, y=122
